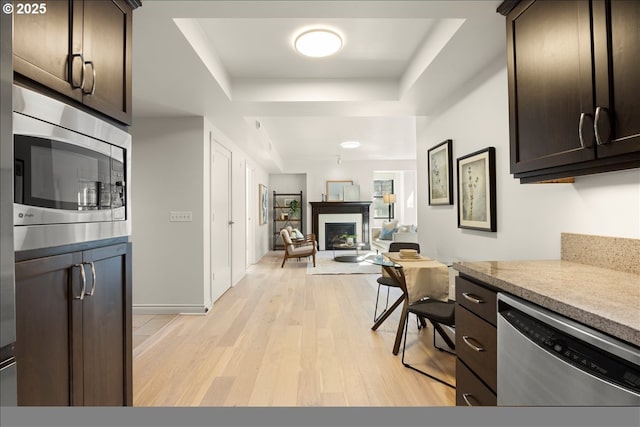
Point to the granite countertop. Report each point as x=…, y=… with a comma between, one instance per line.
x=604, y=299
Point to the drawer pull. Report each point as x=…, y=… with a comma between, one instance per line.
x=467, y=341
x=474, y=299
x=466, y=397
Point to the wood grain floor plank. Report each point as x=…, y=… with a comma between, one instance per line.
x=281, y=337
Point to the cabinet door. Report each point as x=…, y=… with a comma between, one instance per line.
x=45, y=288
x=106, y=327
x=550, y=84
x=41, y=44
x=617, y=72
x=107, y=55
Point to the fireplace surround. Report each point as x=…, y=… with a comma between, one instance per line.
x=361, y=208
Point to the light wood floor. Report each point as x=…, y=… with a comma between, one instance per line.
x=281, y=337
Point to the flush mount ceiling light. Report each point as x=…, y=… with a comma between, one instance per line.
x=318, y=43
x=350, y=144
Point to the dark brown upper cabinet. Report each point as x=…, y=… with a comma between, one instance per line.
x=82, y=50
x=573, y=85
x=616, y=30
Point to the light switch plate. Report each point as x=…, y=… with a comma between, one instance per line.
x=180, y=216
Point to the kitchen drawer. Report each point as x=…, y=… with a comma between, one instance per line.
x=470, y=387
x=471, y=331
x=477, y=299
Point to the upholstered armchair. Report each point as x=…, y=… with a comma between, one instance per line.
x=299, y=248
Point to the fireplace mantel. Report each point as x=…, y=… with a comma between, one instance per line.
x=361, y=207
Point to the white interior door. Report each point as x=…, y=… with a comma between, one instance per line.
x=221, y=220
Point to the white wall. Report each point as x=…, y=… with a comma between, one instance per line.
x=261, y=232
x=167, y=170
x=171, y=260
x=530, y=216
x=263, y=238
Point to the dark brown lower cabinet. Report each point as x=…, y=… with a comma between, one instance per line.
x=476, y=343
x=73, y=328
x=470, y=391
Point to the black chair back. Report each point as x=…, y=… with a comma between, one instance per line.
x=396, y=246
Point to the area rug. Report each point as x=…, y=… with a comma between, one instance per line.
x=326, y=265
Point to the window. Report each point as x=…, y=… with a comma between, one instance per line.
x=380, y=208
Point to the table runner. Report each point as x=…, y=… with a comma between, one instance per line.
x=425, y=277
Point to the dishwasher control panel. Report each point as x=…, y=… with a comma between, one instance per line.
x=574, y=351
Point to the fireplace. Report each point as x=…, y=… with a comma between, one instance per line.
x=340, y=212
x=333, y=231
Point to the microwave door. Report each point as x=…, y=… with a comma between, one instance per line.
x=61, y=177
x=70, y=172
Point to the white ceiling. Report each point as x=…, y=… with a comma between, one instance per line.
x=233, y=62
x=262, y=48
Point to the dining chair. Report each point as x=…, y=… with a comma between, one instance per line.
x=388, y=281
x=438, y=313
x=301, y=248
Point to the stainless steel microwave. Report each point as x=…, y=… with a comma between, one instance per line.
x=71, y=174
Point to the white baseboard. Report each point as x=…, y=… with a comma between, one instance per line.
x=193, y=309
x=169, y=309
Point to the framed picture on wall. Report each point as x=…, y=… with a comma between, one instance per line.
x=335, y=190
x=263, y=203
x=440, y=167
x=477, y=190
x=351, y=193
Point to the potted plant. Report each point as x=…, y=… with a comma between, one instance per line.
x=294, y=207
x=349, y=239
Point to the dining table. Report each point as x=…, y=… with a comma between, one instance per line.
x=418, y=277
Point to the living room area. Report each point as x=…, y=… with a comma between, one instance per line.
x=389, y=195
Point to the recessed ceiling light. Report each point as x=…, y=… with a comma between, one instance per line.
x=350, y=144
x=318, y=43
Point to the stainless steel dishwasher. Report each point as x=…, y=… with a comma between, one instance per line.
x=545, y=359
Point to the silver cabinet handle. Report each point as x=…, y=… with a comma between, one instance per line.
x=602, y=126
x=474, y=299
x=74, y=56
x=93, y=72
x=93, y=276
x=467, y=341
x=581, y=132
x=466, y=397
x=84, y=282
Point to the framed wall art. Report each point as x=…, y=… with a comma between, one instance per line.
x=263, y=203
x=440, y=167
x=477, y=190
x=335, y=190
x=351, y=193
